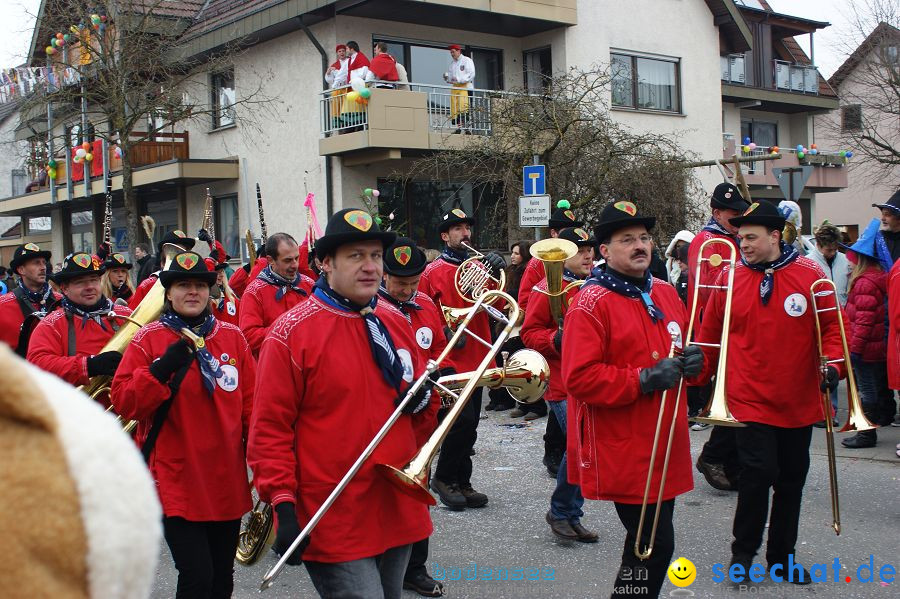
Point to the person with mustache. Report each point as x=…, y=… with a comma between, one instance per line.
x=618, y=335
x=29, y=300
x=452, y=479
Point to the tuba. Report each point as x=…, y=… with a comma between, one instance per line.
x=257, y=533
x=553, y=253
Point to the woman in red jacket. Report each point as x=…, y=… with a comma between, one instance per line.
x=200, y=430
x=867, y=339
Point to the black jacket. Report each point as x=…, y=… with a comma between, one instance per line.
x=145, y=268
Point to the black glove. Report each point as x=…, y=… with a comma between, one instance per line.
x=288, y=530
x=663, y=375
x=692, y=358
x=830, y=380
x=557, y=340
x=496, y=262
x=177, y=355
x=419, y=401
x=462, y=338
x=105, y=363
x=203, y=235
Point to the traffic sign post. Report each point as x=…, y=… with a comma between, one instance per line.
x=792, y=180
x=534, y=180
x=534, y=211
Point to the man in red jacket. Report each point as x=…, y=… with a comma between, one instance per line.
x=67, y=342
x=31, y=299
x=383, y=66
x=618, y=334
x=718, y=460
x=452, y=479
x=776, y=395
x=331, y=373
x=403, y=266
x=275, y=290
x=541, y=332
x=193, y=404
x=175, y=238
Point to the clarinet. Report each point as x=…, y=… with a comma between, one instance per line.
x=262, y=216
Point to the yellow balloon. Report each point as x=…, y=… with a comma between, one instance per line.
x=352, y=96
x=682, y=572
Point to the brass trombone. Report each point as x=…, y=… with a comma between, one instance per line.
x=524, y=375
x=410, y=479
x=554, y=253
x=856, y=418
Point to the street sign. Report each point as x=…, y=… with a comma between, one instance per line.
x=534, y=180
x=534, y=211
x=792, y=180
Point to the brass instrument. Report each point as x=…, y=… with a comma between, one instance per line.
x=251, y=247
x=411, y=478
x=473, y=277
x=524, y=375
x=856, y=418
x=789, y=233
x=553, y=253
x=257, y=533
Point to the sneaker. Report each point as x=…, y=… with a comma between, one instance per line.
x=561, y=528
x=585, y=535
x=424, y=585
x=472, y=497
x=517, y=413
x=450, y=494
x=714, y=474
x=700, y=426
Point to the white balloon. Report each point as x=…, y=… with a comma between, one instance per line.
x=80, y=152
x=357, y=84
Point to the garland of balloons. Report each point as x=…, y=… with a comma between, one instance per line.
x=59, y=40
x=802, y=151
x=359, y=92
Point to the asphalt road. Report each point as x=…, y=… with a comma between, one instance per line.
x=510, y=532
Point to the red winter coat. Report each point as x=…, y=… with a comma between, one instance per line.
x=49, y=346
x=11, y=318
x=893, y=348
x=538, y=332
x=142, y=290
x=773, y=360
x=437, y=283
x=608, y=339
x=230, y=311
x=259, y=308
x=198, y=461
x=320, y=399
x=866, y=313
x=384, y=67
x=534, y=274
x=707, y=273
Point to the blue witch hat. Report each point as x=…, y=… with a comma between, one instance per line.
x=871, y=243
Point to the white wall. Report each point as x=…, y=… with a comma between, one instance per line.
x=12, y=156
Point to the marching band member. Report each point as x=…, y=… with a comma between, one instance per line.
x=275, y=290
x=718, y=460
x=116, y=282
x=223, y=303
x=176, y=238
x=453, y=474
x=403, y=266
x=247, y=273
x=193, y=408
x=67, y=340
x=779, y=404
x=32, y=295
x=541, y=333
x=618, y=334
x=333, y=369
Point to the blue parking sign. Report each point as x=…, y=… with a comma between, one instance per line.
x=534, y=180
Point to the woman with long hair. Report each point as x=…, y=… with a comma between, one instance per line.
x=116, y=282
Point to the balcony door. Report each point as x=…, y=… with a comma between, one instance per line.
x=426, y=62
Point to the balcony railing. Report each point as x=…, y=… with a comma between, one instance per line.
x=786, y=76
x=733, y=68
x=830, y=171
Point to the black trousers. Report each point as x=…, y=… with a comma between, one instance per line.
x=455, y=462
x=645, y=577
x=776, y=458
x=554, y=437
x=204, y=556
x=417, y=558
x=720, y=448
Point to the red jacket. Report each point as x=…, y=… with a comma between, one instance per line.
x=11, y=317
x=534, y=274
x=321, y=399
x=142, y=290
x=608, y=339
x=49, y=346
x=198, y=461
x=866, y=313
x=707, y=273
x=230, y=311
x=773, y=359
x=437, y=283
x=384, y=67
x=238, y=281
x=893, y=348
x=538, y=332
x=259, y=308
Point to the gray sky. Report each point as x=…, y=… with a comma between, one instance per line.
x=17, y=21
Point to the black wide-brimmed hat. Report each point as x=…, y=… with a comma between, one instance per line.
x=893, y=203
x=178, y=237
x=78, y=265
x=454, y=217
x=766, y=214
x=563, y=216
x=727, y=197
x=404, y=258
x=351, y=224
x=618, y=215
x=211, y=264
x=26, y=252
x=578, y=236
x=116, y=261
x=187, y=266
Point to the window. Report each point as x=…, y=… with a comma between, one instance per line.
x=538, y=70
x=19, y=181
x=851, y=117
x=223, y=99
x=37, y=225
x=645, y=83
x=764, y=134
x=83, y=232
x=426, y=62
x=227, y=231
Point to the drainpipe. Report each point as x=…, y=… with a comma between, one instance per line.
x=329, y=187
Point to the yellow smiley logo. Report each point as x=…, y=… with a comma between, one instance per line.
x=682, y=572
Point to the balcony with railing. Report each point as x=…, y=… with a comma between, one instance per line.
x=829, y=174
x=781, y=87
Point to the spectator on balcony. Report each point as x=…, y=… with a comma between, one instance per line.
x=383, y=67
x=359, y=63
x=461, y=75
x=353, y=114
x=338, y=78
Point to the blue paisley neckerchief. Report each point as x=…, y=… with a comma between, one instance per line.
x=273, y=278
x=613, y=283
x=97, y=314
x=403, y=306
x=38, y=297
x=454, y=256
x=713, y=226
x=788, y=254
x=209, y=366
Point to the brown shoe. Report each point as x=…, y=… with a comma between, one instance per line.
x=517, y=413
x=585, y=535
x=561, y=528
x=450, y=494
x=473, y=497
x=714, y=474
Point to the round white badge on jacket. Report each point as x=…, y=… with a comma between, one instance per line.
x=675, y=329
x=424, y=337
x=406, y=360
x=795, y=304
x=229, y=379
